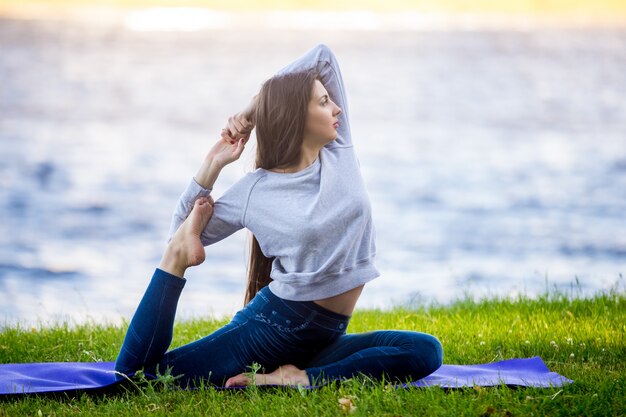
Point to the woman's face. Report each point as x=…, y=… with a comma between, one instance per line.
x=322, y=117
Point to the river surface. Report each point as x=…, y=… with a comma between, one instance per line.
x=495, y=159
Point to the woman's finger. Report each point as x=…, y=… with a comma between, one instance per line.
x=239, y=149
x=227, y=136
x=239, y=127
x=235, y=126
x=244, y=125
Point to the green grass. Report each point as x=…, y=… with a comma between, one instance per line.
x=583, y=339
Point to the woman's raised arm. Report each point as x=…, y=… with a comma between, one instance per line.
x=322, y=59
x=319, y=58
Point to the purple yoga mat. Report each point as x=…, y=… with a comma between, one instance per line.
x=31, y=378
x=528, y=372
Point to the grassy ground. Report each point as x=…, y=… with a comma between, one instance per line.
x=583, y=339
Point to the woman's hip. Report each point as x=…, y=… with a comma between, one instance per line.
x=268, y=331
x=295, y=317
x=274, y=331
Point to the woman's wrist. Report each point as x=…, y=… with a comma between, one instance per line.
x=208, y=172
x=250, y=110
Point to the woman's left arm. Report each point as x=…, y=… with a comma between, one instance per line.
x=322, y=59
x=319, y=58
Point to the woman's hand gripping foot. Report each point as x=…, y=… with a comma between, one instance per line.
x=185, y=248
x=284, y=375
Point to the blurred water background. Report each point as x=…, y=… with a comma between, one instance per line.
x=494, y=153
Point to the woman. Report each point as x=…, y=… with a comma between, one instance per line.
x=312, y=252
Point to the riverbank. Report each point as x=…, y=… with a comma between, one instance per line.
x=582, y=339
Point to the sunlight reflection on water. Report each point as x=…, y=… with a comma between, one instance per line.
x=495, y=161
x=177, y=19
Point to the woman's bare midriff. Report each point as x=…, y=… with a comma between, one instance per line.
x=343, y=303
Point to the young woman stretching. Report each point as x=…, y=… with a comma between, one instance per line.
x=312, y=252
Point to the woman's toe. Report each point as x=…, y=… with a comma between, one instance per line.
x=237, y=381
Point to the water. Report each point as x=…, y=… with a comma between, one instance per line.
x=495, y=159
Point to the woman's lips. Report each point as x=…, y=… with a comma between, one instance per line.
x=336, y=125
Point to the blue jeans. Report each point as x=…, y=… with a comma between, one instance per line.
x=270, y=331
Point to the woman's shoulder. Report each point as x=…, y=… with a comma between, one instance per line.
x=250, y=179
x=242, y=188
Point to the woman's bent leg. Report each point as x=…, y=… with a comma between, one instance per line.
x=150, y=331
x=268, y=331
x=391, y=354
x=224, y=353
x=216, y=357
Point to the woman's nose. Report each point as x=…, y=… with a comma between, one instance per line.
x=337, y=110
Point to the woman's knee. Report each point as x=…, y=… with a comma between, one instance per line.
x=433, y=351
x=126, y=362
x=427, y=349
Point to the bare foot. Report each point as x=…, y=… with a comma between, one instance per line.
x=185, y=248
x=284, y=375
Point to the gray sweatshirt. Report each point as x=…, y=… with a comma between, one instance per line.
x=316, y=223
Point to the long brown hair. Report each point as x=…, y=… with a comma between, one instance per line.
x=281, y=111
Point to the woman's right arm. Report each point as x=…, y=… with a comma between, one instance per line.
x=227, y=212
x=221, y=154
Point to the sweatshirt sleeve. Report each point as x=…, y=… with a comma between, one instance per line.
x=322, y=58
x=228, y=211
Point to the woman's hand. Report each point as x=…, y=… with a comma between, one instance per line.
x=220, y=155
x=224, y=152
x=240, y=125
x=230, y=145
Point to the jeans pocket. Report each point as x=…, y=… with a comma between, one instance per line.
x=279, y=321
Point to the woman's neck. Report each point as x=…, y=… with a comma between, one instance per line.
x=307, y=157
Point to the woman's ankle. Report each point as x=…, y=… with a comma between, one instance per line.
x=171, y=262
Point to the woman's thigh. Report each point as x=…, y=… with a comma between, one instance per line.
x=262, y=333
x=393, y=352
x=214, y=358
